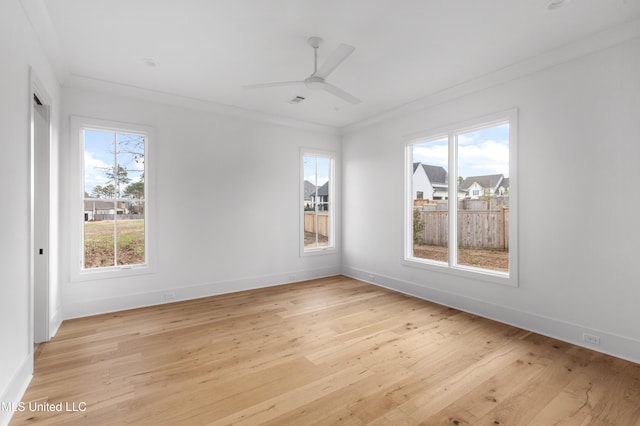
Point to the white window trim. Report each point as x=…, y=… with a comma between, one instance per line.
x=77, y=125
x=451, y=267
x=332, y=248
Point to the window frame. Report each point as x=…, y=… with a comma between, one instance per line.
x=332, y=246
x=78, y=272
x=451, y=266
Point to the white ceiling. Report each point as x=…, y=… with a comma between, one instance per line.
x=405, y=49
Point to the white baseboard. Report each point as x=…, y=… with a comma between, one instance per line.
x=13, y=393
x=132, y=301
x=54, y=324
x=610, y=344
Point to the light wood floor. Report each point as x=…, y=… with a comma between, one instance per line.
x=330, y=351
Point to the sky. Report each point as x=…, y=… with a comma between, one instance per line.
x=322, y=170
x=480, y=152
x=98, y=157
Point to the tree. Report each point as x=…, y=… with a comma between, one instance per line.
x=133, y=145
x=117, y=178
x=134, y=190
x=487, y=196
x=107, y=191
x=121, y=176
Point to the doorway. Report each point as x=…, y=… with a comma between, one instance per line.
x=40, y=193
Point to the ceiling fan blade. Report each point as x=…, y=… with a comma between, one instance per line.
x=340, y=93
x=335, y=59
x=278, y=84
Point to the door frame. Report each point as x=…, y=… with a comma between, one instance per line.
x=36, y=88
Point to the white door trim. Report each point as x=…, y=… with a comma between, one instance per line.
x=39, y=204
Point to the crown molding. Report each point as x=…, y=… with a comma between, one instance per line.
x=38, y=16
x=134, y=92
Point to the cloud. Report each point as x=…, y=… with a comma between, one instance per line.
x=484, y=158
x=94, y=171
x=433, y=154
x=474, y=158
x=321, y=179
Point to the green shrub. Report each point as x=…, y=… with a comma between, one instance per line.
x=418, y=227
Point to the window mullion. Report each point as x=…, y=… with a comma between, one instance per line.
x=453, y=199
x=315, y=207
x=330, y=197
x=116, y=188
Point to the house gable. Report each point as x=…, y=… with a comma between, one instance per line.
x=421, y=183
x=480, y=184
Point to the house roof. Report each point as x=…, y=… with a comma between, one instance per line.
x=436, y=174
x=486, y=181
x=505, y=183
x=309, y=189
x=324, y=190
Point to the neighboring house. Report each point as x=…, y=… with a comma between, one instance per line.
x=92, y=208
x=321, y=197
x=503, y=188
x=309, y=191
x=431, y=182
x=479, y=186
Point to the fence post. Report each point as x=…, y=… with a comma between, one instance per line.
x=502, y=228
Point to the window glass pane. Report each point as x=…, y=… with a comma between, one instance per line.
x=430, y=186
x=99, y=199
x=483, y=213
x=98, y=243
x=317, y=211
x=131, y=189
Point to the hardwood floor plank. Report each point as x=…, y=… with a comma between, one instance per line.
x=328, y=351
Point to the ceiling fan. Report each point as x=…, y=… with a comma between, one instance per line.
x=317, y=80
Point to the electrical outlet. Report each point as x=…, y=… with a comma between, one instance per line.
x=170, y=295
x=590, y=338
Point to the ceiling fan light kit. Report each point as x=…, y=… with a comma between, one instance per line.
x=316, y=81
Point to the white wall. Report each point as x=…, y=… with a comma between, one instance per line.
x=579, y=135
x=227, y=205
x=19, y=50
x=422, y=183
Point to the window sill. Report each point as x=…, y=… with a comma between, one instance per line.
x=111, y=273
x=318, y=251
x=503, y=278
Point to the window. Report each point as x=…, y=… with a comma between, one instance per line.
x=317, y=202
x=420, y=195
x=473, y=232
x=114, y=226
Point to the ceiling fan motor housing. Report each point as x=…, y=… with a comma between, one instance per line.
x=314, y=82
x=314, y=42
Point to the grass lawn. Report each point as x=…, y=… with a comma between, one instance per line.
x=98, y=243
x=496, y=260
x=310, y=240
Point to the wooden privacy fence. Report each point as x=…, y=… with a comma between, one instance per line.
x=476, y=229
x=310, y=223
